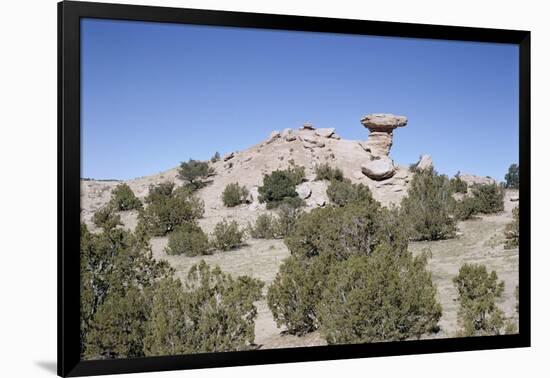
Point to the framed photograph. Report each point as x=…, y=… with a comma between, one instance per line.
x=240, y=188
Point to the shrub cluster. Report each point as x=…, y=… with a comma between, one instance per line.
x=489, y=198
x=195, y=173
x=133, y=306
x=458, y=185
x=326, y=172
x=511, y=232
x=429, y=206
x=268, y=226
x=106, y=218
x=123, y=198
x=168, y=208
x=345, y=262
x=227, y=235
x=340, y=193
x=215, y=158
x=512, y=177
x=280, y=187
x=188, y=239
x=234, y=195
x=478, y=292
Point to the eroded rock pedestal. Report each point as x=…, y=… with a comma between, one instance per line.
x=381, y=128
x=378, y=144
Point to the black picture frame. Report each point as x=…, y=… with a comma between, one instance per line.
x=69, y=15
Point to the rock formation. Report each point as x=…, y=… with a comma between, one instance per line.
x=381, y=128
x=378, y=144
x=425, y=162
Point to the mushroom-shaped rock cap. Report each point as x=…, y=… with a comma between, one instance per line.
x=383, y=122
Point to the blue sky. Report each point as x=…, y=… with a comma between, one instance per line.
x=154, y=95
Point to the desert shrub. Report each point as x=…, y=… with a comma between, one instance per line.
x=319, y=240
x=478, y=292
x=280, y=187
x=117, y=329
x=512, y=177
x=265, y=227
x=215, y=158
x=511, y=231
x=218, y=313
x=343, y=192
x=326, y=172
x=234, y=195
x=188, y=239
x=287, y=216
x=168, y=208
x=489, y=198
x=429, y=205
x=195, y=173
x=458, y=185
x=294, y=294
x=227, y=235
x=106, y=218
x=387, y=296
x=466, y=208
x=116, y=268
x=123, y=198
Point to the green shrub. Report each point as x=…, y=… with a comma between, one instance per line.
x=215, y=158
x=326, y=172
x=341, y=193
x=234, y=195
x=512, y=177
x=123, y=198
x=265, y=227
x=294, y=294
x=458, y=185
x=478, y=292
x=280, y=187
x=168, y=208
x=106, y=218
x=195, y=173
x=218, y=313
x=227, y=235
x=188, y=239
x=466, y=208
x=489, y=198
x=116, y=269
x=511, y=232
x=387, y=296
x=287, y=216
x=429, y=205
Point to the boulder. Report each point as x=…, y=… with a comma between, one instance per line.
x=477, y=180
x=325, y=132
x=383, y=122
x=229, y=156
x=378, y=169
x=303, y=190
x=425, y=162
x=308, y=126
x=311, y=142
x=514, y=198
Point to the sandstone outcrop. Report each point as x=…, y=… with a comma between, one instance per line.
x=425, y=162
x=381, y=128
x=325, y=132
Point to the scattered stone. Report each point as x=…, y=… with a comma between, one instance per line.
x=381, y=128
x=325, y=132
x=229, y=156
x=514, y=198
x=308, y=126
x=304, y=191
x=378, y=169
x=273, y=136
x=425, y=162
